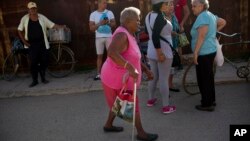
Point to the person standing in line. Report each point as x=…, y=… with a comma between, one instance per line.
x=203, y=33
x=101, y=22
x=35, y=38
x=182, y=12
x=175, y=33
x=124, y=56
x=159, y=52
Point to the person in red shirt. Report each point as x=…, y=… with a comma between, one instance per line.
x=182, y=12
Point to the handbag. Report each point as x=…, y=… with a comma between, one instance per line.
x=219, y=58
x=123, y=106
x=183, y=40
x=176, y=57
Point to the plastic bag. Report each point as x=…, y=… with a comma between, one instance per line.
x=124, y=105
x=219, y=58
x=183, y=40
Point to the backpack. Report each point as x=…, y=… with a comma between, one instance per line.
x=17, y=45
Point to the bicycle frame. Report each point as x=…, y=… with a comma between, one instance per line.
x=13, y=62
x=232, y=36
x=59, y=52
x=62, y=60
x=242, y=71
x=231, y=63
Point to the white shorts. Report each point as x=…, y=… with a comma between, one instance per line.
x=101, y=43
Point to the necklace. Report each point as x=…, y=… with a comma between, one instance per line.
x=169, y=18
x=166, y=17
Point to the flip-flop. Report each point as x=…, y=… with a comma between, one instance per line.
x=174, y=89
x=113, y=129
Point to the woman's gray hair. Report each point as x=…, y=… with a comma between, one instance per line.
x=205, y=2
x=129, y=13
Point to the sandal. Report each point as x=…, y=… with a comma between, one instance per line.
x=150, y=137
x=174, y=89
x=113, y=129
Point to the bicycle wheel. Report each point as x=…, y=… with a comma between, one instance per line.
x=10, y=67
x=61, y=61
x=243, y=72
x=189, y=81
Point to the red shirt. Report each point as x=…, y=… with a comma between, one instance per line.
x=178, y=9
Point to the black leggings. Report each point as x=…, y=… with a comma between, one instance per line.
x=205, y=79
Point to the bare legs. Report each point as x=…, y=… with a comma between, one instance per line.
x=110, y=95
x=180, y=54
x=110, y=120
x=99, y=63
x=138, y=125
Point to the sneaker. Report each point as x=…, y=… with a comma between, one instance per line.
x=151, y=102
x=97, y=77
x=168, y=109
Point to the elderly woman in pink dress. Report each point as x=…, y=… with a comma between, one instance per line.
x=124, y=56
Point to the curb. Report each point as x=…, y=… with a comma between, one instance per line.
x=65, y=91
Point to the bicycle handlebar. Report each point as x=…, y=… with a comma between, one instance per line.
x=227, y=35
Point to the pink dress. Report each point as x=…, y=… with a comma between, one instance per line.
x=112, y=74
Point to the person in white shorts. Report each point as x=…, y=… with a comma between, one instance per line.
x=101, y=22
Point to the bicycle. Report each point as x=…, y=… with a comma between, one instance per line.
x=61, y=60
x=189, y=80
x=18, y=56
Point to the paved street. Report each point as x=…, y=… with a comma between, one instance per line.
x=80, y=117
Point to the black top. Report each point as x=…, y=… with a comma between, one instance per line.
x=158, y=26
x=160, y=22
x=35, y=32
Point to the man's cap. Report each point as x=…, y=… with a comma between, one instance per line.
x=158, y=1
x=31, y=5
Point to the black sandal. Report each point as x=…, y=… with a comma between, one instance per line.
x=113, y=129
x=174, y=89
x=150, y=137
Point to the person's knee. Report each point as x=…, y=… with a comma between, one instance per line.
x=99, y=57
